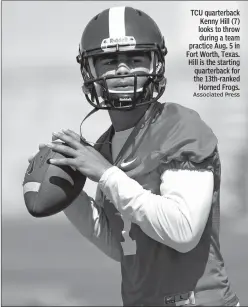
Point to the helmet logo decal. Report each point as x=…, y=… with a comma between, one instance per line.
x=125, y=98
x=111, y=44
x=118, y=39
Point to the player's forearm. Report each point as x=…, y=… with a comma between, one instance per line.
x=165, y=219
x=90, y=220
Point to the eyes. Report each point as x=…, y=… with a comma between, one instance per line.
x=110, y=62
x=115, y=61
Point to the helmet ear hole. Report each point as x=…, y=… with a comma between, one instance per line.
x=163, y=48
x=164, y=51
x=85, y=89
x=79, y=58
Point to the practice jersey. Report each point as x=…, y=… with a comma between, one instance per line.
x=153, y=273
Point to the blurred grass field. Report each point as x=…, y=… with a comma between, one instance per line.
x=46, y=262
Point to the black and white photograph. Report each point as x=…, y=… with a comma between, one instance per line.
x=124, y=153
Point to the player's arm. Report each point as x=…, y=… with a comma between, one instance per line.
x=90, y=220
x=177, y=217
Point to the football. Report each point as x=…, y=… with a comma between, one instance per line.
x=47, y=188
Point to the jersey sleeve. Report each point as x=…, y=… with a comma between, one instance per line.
x=91, y=221
x=190, y=145
x=190, y=140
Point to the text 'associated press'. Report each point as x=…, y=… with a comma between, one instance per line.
x=215, y=56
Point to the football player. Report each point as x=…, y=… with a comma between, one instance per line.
x=157, y=207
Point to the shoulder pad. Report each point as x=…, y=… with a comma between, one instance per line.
x=184, y=135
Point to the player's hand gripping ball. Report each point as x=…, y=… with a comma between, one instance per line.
x=49, y=189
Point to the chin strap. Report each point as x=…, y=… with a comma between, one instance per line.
x=144, y=123
x=148, y=116
x=83, y=140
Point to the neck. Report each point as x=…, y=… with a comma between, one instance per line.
x=123, y=120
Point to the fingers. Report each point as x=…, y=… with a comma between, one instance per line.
x=68, y=132
x=72, y=134
x=62, y=149
x=77, y=137
x=54, y=138
x=72, y=139
x=68, y=136
x=64, y=161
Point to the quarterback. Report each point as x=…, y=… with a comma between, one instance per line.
x=156, y=209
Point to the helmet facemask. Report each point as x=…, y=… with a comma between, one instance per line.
x=99, y=95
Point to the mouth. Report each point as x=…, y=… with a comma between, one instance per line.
x=123, y=82
x=125, y=87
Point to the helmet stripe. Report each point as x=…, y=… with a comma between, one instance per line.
x=117, y=22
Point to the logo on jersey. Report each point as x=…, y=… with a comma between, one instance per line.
x=128, y=165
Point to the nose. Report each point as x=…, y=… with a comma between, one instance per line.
x=122, y=69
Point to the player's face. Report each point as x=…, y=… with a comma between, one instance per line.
x=123, y=64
